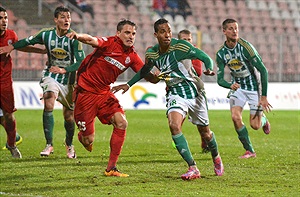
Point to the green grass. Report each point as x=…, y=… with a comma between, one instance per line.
x=154, y=166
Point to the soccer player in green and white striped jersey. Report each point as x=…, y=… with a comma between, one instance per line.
x=64, y=58
x=248, y=74
x=172, y=60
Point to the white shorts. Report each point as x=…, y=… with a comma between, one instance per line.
x=1, y=113
x=62, y=92
x=240, y=97
x=196, y=108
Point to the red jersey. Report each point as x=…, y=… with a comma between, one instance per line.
x=197, y=64
x=103, y=66
x=8, y=38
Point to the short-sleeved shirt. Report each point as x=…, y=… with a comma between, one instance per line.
x=102, y=67
x=62, y=52
x=8, y=38
x=177, y=77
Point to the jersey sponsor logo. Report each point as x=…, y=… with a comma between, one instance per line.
x=118, y=53
x=59, y=53
x=115, y=63
x=52, y=42
x=104, y=38
x=60, y=63
x=238, y=69
x=235, y=64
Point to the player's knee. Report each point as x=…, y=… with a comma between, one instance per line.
x=48, y=106
x=121, y=124
x=68, y=116
x=9, y=117
x=85, y=140
x=69, y=119
x=205, y=133
x=255, y=126
x=236, y=118
x=174, y=127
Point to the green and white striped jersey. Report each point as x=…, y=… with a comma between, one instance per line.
x=176, y=74
x=243, y=61
x=62, y=52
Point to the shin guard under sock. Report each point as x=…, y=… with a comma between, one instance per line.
x=245, y=139
x=48, y=124
x=183, y=148
x=116, y=143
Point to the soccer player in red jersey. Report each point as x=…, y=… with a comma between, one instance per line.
x=111, y=57
x=7, y=102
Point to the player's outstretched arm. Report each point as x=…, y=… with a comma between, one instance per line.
x=84, y=38
x=33, y=49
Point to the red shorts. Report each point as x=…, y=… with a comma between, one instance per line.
x=89, y=105
x=7, y=101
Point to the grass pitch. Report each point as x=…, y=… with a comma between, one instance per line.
x=153, y=164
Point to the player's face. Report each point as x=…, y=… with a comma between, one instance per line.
x=187, y=37
x=164, y=34
x=127, y=35
x=232, y=31
x=3, y=21
x=63, y=21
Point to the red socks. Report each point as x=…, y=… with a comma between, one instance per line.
x=11, y=133
x=116, y=143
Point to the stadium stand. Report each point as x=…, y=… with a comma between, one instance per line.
x=272, y=26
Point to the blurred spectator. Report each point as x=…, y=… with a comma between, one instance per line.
x=172, y=7
x=83, y=6
x=126, y=3
x=159, y=6
x=178, y=7
x=184, y=8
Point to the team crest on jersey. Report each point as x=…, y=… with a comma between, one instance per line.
x=127, y=60
x=104, y=38
x=59, y=53
x=66, y=44
x=235, y=64
x=227, y=56
x=9, y=42
x=52, y=42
